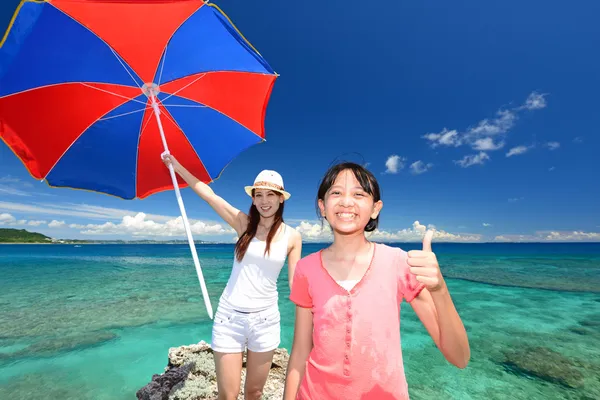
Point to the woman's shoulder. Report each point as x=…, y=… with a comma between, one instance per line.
x=290, y=231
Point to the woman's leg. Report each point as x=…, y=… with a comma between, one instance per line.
x=228, y=344
x=258, y=366
x=229, y=371
x=264, y=338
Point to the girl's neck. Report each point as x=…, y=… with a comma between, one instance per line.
x=266, y=223
x=349, y=245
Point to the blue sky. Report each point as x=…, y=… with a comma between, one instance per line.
x=480, y=119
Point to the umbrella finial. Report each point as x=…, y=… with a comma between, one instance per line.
x=151, y=89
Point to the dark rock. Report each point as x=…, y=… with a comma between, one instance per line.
x=161, y=385
x=201, y=382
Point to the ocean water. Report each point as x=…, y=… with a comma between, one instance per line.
x=96, y=321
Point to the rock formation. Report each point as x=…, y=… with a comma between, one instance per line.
x=190, y=375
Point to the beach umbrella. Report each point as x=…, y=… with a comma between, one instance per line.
x=93, y=92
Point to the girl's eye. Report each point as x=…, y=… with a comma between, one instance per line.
x=336, y=192
x=359, y=194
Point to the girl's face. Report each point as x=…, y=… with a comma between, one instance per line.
x=347, y=206
x=267, y=202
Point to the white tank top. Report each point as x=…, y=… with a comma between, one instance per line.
x=252, y=285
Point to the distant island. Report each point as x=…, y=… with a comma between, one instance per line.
x=22, y=236
x=8, y=235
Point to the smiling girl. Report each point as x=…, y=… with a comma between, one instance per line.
x=248, y=316
x=347, y=333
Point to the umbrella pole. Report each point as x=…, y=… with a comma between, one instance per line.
x=183, y=213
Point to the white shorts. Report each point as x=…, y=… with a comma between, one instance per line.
x=234, y=331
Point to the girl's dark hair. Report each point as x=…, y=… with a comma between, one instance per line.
x=243, y=242
x=363, y=176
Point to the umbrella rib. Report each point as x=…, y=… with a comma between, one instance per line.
x=127, y=113
x=171, y=119
x=162, y=65
x=186, y=105
x=186, y=138
x=189, y=84
x=137, y=156
x=77, y=138
x=114, y=94
x=124, y=67
x=222, y=113
x=102, y=40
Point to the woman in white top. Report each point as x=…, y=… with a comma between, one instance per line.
x=247, y=316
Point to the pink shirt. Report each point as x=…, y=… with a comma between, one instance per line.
x=356, y=337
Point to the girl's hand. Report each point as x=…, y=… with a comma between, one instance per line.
x=170, y=159
x=424, y=265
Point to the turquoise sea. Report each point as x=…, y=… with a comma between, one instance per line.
x=96, y=321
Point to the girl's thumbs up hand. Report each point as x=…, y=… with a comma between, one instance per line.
x=424, y=265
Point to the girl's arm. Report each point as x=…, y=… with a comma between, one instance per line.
x=234, y=217
x=294, y=255
x=301, y=348
x=435, y=307
x=439, y=316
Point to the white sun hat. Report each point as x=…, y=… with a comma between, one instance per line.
x=269, y=180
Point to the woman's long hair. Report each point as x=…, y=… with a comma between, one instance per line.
x=253, y=219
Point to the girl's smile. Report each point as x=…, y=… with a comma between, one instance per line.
x=347, y=206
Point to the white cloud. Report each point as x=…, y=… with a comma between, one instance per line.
x=419, y=167
x=416, y=232
x=504, y=121
x=7, y=219
x=472, y=159
x=9, y=185
x=394, y=163
x=486, y=135
x=578, y=139
x=515, y=199
x=552, y=236
x=486, y=224
x=553, y=145
x=480, y=136
x=551, y=169
x=56, y=224
x=314, y=232
x=77, y=210
x=141, y=225
x=572, y=236
x=444, y=138
x=36, y=223
x=487, y=144
x=9, y=179
x=514, y=238
x=9, y=190
x=535, y=101
x=515, y=151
